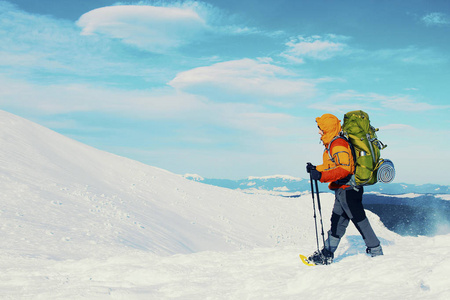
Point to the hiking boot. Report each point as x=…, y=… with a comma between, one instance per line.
x=323, y=257
x=375, y=251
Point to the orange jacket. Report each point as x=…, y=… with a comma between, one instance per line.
x=338, y=162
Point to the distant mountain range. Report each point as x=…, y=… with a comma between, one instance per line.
x=288, y=184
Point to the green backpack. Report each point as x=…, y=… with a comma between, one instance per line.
x=366, y=147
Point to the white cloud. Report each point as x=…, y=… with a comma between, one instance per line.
x=397, y=127
x=405, y=103
x=152, y=28
x=160, y=104
x=329, y=46
x=67, y=98
x=245, y=77
x=410, y=55
x=315, y=47
x=348, y=100
x=162, y=27
x=436, y=19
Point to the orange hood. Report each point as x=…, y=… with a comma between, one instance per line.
x=330, y=125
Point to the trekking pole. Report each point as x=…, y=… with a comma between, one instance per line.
x=314, y=209
x=320, y=213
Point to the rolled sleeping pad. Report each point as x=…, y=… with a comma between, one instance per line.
x=386, y=172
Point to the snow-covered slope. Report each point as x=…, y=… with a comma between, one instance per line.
x=63, y=198
x=77, y=222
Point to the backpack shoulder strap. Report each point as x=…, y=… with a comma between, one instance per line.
x=341, y=136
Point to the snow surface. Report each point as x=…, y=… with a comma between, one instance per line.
x=77, y=223
x=283, y=177
x=194, y=177
x=403, y=196
x=444, y=197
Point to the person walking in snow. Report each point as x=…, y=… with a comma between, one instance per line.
x=337, y=169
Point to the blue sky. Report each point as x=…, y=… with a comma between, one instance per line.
x=230, y=89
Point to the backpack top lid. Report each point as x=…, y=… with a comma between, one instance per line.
x=356, y=122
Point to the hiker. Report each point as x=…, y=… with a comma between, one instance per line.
x=337, y=169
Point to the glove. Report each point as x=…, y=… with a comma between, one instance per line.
x=316, y=175
x=309, y=167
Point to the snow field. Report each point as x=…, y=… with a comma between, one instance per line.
x=261, y=273
x=79, y=223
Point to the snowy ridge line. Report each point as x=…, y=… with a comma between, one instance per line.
x=283, y=177
x=194, y=177
x=294, y=184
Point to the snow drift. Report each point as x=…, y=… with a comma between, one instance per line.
x=77, y=222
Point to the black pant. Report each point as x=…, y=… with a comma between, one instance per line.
x=348, y=206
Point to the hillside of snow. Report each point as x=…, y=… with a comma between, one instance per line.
x=77, y=222
x=61, y=193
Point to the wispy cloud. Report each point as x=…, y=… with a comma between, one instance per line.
x=30, y=40
x=259, y=79
x=348, y=100
x=301, y=49
x=410, y=55
x=406, y=103
x=436, y=19
x=151, y=28
x=68, y=98
x=162, y=105
x=315, y=47
x=397, y=127
x=38, y=44
x=163, y=26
